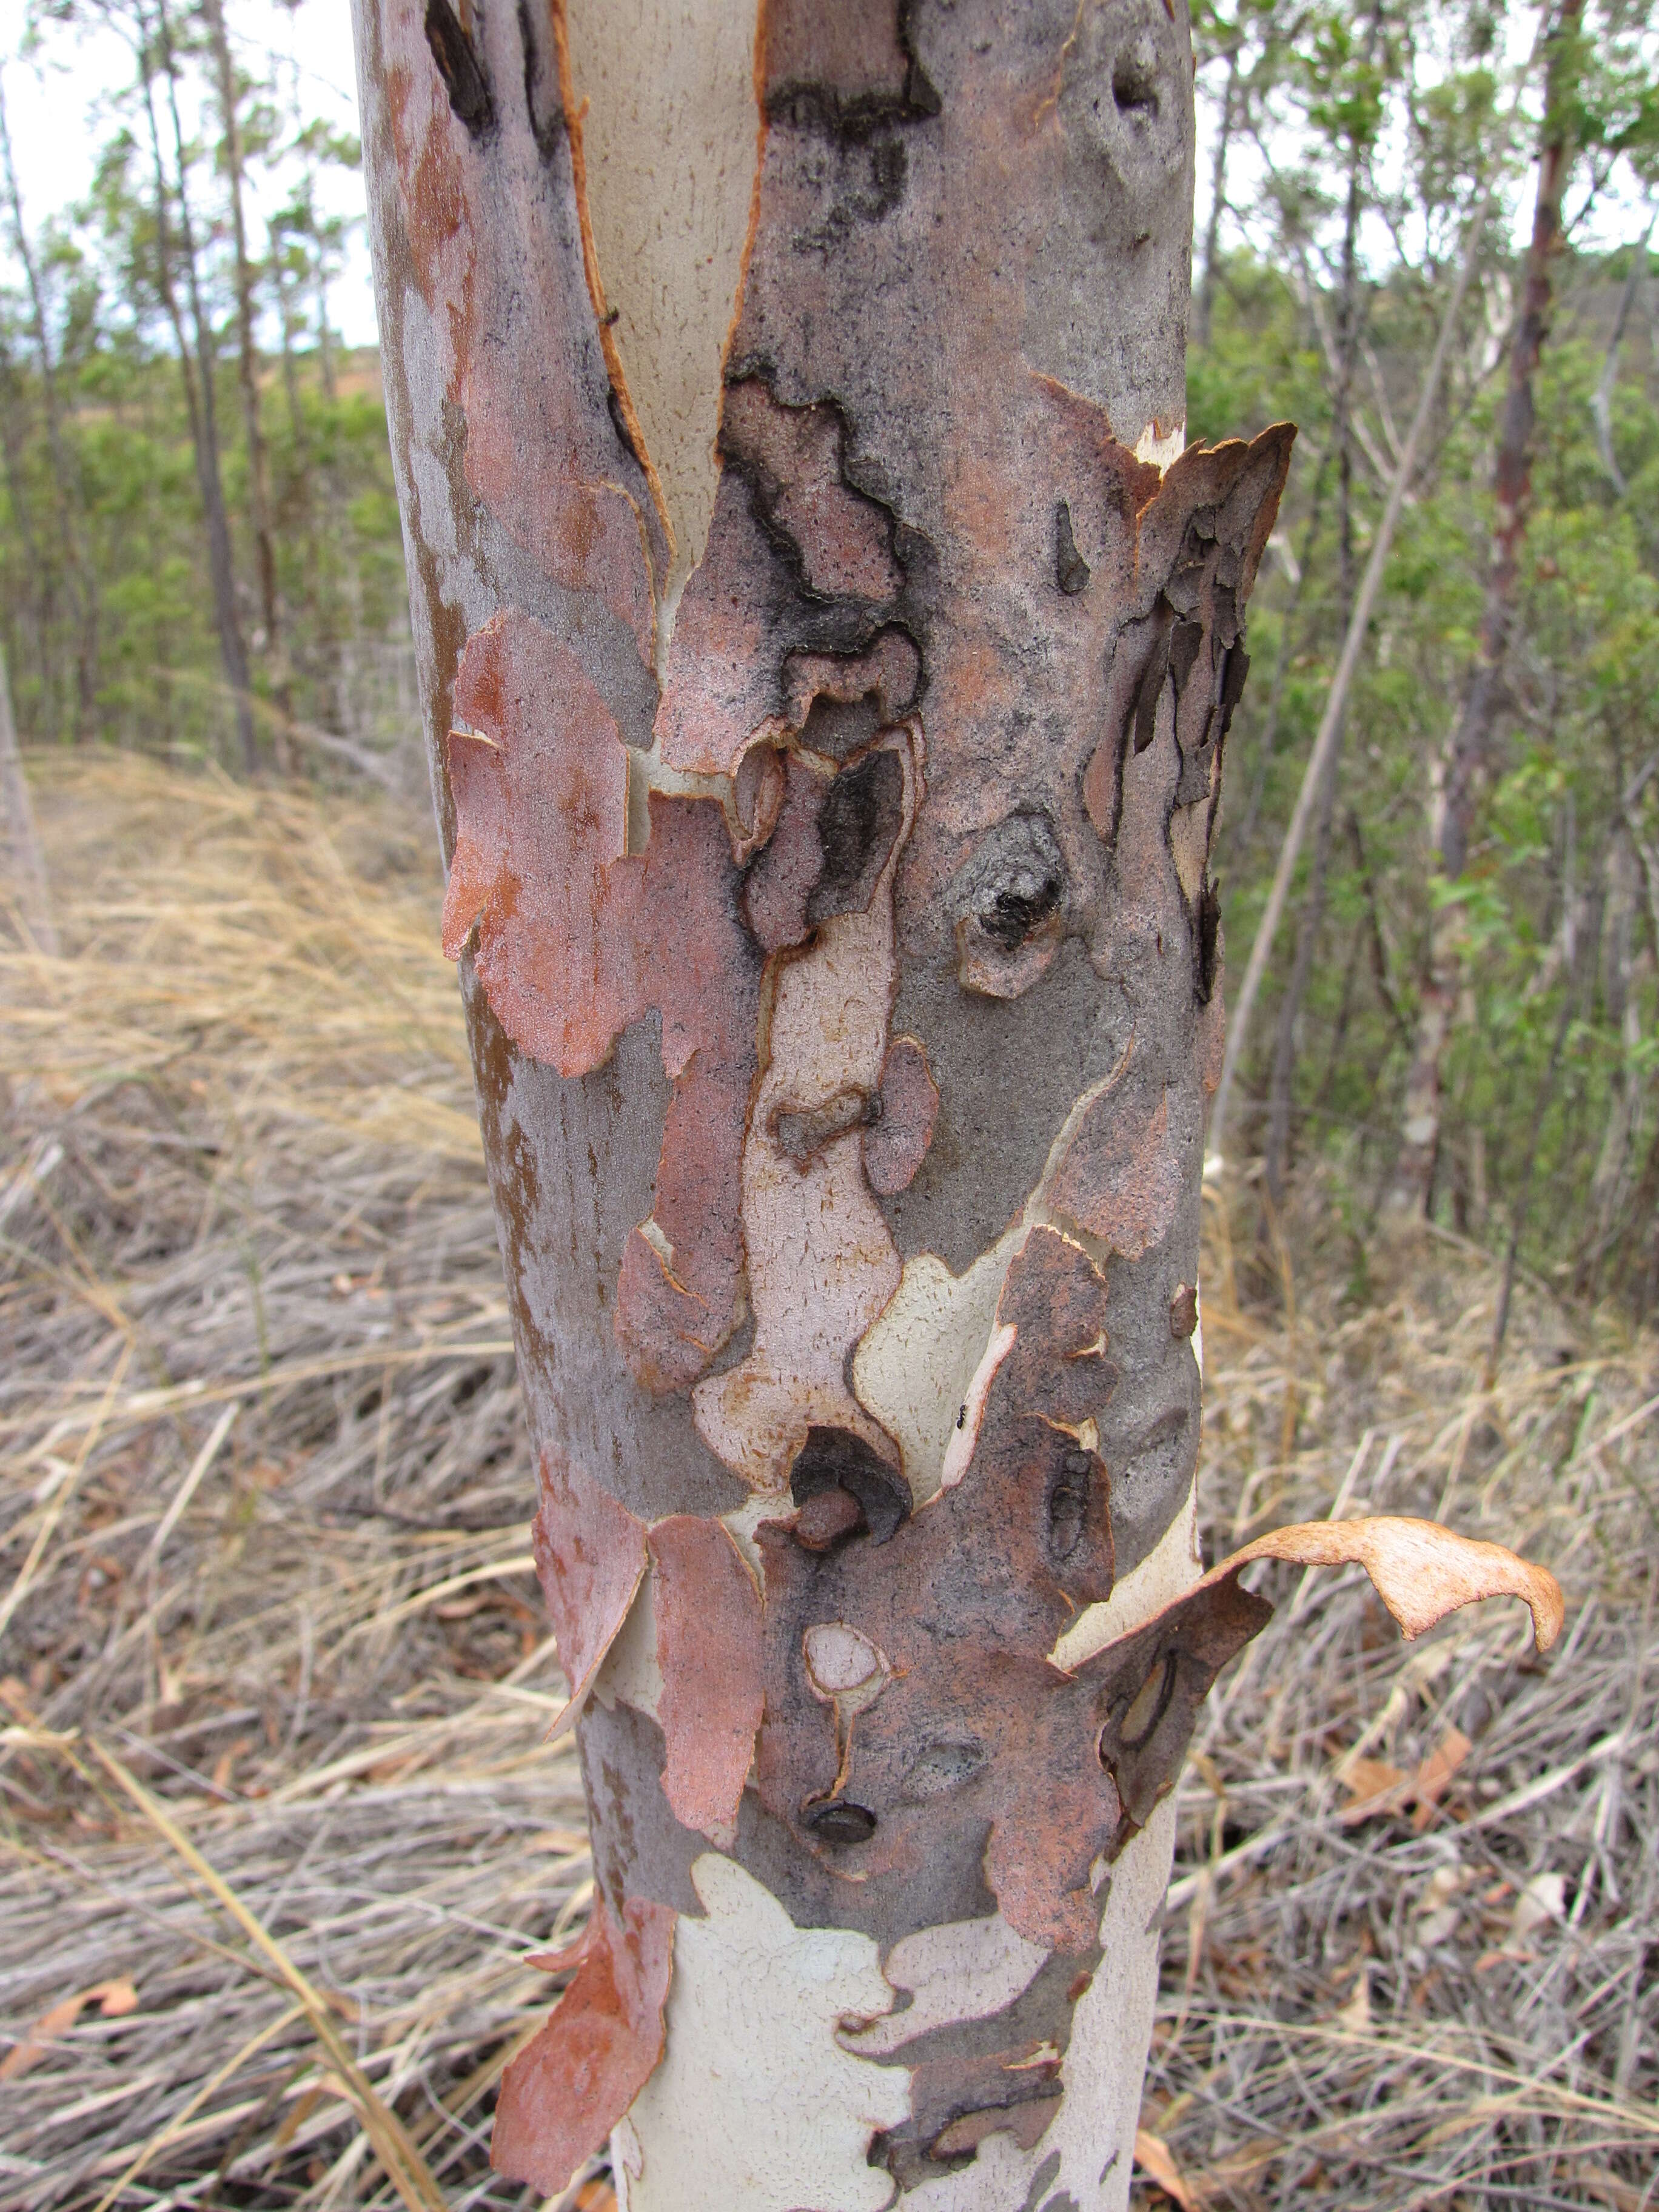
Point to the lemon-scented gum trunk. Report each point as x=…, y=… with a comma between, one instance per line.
x=827, y=651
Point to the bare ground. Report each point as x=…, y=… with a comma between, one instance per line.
x=277, y=1826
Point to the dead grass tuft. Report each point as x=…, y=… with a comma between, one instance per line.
x=276, y=1824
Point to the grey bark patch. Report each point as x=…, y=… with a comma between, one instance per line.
x=1008, y=1071
x=956, y=2071
x=572, y=1164
x=639, y=1850
x=947, y=1764
x=1040, y=2180
x=859, y=823
x=887, y=1906
x=1071, y=571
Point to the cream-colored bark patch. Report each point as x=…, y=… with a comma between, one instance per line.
x=1094, y=2130
x=755, y=2102
x=965, y=1970
x=964, y=1436
x=913, y=1369
x=1160, y=450
x=822, y=1262
x=630, y=1674
x=840, y=1660
x=670, y=143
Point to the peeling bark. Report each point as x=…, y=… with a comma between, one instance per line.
x=828, y=804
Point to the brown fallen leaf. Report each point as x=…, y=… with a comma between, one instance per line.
x=1377, y=1788
x=1434, y=1776
x=114, y=1999
x=1155, y=2160
x=1380, y=1790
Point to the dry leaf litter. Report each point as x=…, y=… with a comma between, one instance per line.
x=277, y=1825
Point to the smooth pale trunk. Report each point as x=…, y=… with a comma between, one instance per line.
x=827, y=654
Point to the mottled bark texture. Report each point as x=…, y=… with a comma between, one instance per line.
x=827, y=800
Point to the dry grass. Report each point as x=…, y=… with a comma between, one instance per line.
x=277, y=1675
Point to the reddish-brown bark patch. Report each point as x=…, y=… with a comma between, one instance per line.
x=562, y=2095
x=709, y=1647
x=576, y=941
x=484, y=207
x=897, y=1145
x=784, y=874
x=1125, y=1170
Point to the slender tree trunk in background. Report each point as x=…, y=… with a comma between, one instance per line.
x=265, y=547
x=1601, y=398
x=1609, y=1184
x=1468, y=758
x=1522, y=1202
x=37, y=612
x=1312, y=917
x=66, y=476
x=198, y=376
x=25, y=864
x=1204, y=305
x=826, y=656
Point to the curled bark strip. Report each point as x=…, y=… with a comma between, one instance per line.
x=590, y=1555
x=562, y=2095
x=710, y=1649
x=1150, y=1683
x=571, y=933
x=1421, y=1570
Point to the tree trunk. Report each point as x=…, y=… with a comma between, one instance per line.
x=826, y=656
x=26, y=865
x=1468, y=758
x=1312, y=918
x=1204, y=305
x=65, y=474
x=264, y=546
x=201, y=404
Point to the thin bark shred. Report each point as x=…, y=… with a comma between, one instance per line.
x=828, y=877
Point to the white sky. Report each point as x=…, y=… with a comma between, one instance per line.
x=58, y=102
x=57, y=106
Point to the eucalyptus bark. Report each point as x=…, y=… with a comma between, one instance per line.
x=1468, y=765
x=827, y=652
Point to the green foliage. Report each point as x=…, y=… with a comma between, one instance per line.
x=1557, y=912
x=107, y=610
